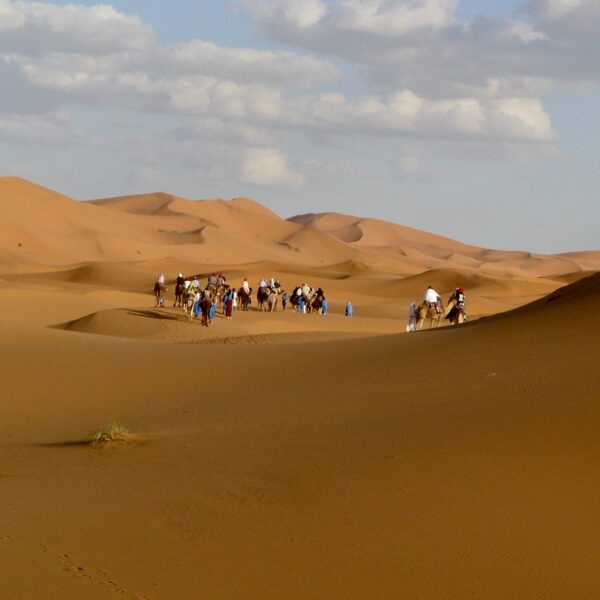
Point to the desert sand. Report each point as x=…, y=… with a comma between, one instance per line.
x=284, y=456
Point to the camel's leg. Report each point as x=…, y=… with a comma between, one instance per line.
x=448, y=308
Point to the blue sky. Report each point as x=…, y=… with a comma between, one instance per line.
x=475, y=120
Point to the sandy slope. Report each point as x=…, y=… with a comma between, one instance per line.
x=449, y=464
x=285, y=455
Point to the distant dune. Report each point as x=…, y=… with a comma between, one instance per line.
x=42, y=229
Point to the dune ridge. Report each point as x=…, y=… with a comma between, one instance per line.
x=40, y=228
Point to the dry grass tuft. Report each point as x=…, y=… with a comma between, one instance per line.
x=111, y=433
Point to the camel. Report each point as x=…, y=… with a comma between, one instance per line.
x=273, y=298
x=316, y=305
x=455, y=312
x=190, y=303
x=431, y=314
x=309, y=300
x=159, y=295
x=179, y=293
x=244, y=298
x=262, y=296
x=218, y=291
x=205, y=305
x=298, y=303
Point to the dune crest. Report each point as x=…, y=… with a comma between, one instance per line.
x=40, y=228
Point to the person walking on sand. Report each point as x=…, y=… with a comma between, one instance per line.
x=349, y=309
x=212, y=311
x=324, y=306
x=413, y=316
x=228, y=301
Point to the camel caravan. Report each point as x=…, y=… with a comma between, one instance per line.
x=203, y=303
x=218, y=294
x=432, y=311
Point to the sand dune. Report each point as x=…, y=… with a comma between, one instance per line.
x=286, y=455
x=341, y=472
x=39, y=227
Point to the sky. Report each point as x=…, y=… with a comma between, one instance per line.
x=474, y=119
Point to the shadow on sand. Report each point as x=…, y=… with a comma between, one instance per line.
x=69, y=444
x=150, y=314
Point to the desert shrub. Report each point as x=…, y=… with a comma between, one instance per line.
x=112, y=432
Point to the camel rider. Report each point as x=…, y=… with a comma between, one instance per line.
x=212, y=280
x=459, y=296
x=194, y=284
x=180, y=279
x=221, y=279
x=246, y=286
x=272, y=283
x=306, y=290
x=432, y=298
x=161, y=279
x=263, y=283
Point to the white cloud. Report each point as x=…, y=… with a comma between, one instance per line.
x=406, y=114
x=304, y=13
x=247, y=64
x=73, y=26
x=392, y=16
x=268, y=167
x=422, y=46
x=380, y=17
x=51, y=129
x=569, y=19
x=415, y=72
x=556, y=9
x=524, y=32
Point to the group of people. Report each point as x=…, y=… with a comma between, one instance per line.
x=432, y=300
x=303, y=299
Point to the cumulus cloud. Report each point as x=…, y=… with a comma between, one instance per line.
x=421, y=45
x=568, y=18
x=386, y=17
x=381, y=17
x=268, y=167
x=557, y=9
x=40, y=25
x=49, y=129
x=299, y=14
x=417, y=73
x=409, y=115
